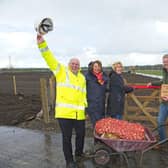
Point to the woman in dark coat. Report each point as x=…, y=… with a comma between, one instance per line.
x=117, y=91
x=96, y=83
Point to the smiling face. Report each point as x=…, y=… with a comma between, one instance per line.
x=117, y=67
x=74, y=65
x=96, y=68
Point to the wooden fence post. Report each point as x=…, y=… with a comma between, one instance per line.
x=14, y=85
x=125, y=108
x=52, y=91
x=44, y=99
x=125, y=103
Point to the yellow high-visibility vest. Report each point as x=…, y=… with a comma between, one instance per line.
x=70, y=88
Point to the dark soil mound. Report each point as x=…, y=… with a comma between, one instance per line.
x=19, y=108
x=26, y=104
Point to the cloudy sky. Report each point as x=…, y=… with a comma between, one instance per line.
x=132, y=31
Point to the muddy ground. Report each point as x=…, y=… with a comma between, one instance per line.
x=16, y=109
x=20, y=111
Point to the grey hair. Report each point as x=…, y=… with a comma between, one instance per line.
x=165, y=56
x=72, y=59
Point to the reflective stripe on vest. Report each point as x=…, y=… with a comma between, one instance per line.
x=68, y=85
x=72, y=106
x=67, y=76
x=44, y=49
x=57, y=69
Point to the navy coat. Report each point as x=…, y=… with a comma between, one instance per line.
x=117, y=90
x=96, y=96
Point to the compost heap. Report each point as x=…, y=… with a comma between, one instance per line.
x=119, y=129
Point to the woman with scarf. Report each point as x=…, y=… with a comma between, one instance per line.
x=96, y=84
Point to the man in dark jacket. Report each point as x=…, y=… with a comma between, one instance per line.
x=117, y=90
x=163, y=113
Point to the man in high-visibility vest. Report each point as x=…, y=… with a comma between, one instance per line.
x=70, y=101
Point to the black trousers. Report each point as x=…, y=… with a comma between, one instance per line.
x=67, y=126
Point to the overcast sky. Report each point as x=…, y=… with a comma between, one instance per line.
x=132, y=31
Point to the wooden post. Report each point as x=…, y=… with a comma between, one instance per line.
x=52, y=91
x=125, y=108
x=14, y=85
x=44, y=99
x=126, y=103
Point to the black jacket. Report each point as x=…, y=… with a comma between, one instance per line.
x=96, y=94
x=117, y=90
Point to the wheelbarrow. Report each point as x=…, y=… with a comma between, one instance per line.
x=106, y=148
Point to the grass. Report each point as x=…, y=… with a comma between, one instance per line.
x=150, y=72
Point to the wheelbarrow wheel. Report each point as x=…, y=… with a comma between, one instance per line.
x=102, y=156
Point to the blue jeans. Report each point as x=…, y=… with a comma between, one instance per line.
x=163, y=114
x=117, y=116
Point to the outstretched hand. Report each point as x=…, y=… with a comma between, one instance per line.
x=149, y=84
x=40, y=38
x=165, y=98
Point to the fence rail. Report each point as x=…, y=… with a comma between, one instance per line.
x=144, y=107
x=141, y=105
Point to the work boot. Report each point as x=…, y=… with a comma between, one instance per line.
x=71, y=165
x=80, y=157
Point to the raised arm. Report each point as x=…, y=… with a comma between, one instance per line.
x=49, y=57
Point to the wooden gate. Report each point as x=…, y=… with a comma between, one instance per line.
x=142, y=105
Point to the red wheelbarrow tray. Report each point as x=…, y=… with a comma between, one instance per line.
x=123, y=145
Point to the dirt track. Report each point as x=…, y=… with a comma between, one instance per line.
x=16, y=110
x=22, y=148
x=26, y=104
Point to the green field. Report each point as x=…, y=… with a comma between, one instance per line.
x=150, y=72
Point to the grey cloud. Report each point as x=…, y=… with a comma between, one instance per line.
x=110, y=26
